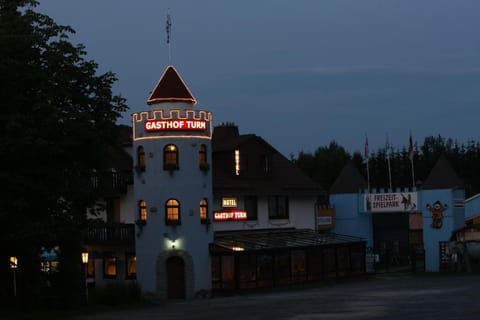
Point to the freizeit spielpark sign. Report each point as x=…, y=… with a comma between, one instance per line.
x=390, y=202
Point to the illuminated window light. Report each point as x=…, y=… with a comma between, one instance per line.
x=237, y=162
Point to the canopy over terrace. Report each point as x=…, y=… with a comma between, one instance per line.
x=276, y=239
x=268, y=258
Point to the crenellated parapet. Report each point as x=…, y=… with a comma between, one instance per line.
x=174, y=123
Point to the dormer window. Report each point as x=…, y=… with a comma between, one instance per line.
x=170, y=157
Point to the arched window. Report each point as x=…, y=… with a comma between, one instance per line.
x=141, y=158
x=202, y=157
x=170, y=157
x=142, y=210
x=172, y=212
x=204, y=211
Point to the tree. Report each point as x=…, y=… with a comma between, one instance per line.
x=325, y=165
x=57, y=125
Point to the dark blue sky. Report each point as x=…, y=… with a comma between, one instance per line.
x=298, y=73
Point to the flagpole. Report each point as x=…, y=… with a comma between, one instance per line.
x=368, y=169
x=413, y=174
x=387, y=148
x=410, y=156
x=169, y=35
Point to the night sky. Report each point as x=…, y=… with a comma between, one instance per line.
x=298, y=73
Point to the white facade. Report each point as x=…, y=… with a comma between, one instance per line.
x=172, y=240
x=302, y=215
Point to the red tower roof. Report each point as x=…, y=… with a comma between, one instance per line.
x=170, y=88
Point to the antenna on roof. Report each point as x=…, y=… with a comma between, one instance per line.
x=169, y=35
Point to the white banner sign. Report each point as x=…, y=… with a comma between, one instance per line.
x=324, y=221
x=391, y=202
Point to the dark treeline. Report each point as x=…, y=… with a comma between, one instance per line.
x=326, y=163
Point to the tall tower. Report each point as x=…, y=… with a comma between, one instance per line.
x=173, y=191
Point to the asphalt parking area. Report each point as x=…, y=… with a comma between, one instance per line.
x=385, y=297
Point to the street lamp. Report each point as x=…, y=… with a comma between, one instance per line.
x=13, y=266
x=85, y=264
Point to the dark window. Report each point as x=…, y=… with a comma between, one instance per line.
x=113, y=210
x=109, y=267
x=250, y=205
x=141, y=158
x=204, y=211
x=172, y=212
x=278, y=207
x=247, y=271
x=202, y=157
x=298, y=265
x=170, y=157
x=282, y=267
x=131, y=265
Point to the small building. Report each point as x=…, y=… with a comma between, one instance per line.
x=404, y=228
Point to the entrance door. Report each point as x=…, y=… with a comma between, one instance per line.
x=175, y=278
x=391, y=241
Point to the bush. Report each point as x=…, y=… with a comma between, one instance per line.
x=117, y=294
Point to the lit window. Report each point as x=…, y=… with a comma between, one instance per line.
x=237, y=162
x=131, y=267
x=202, y=157
x=110, y=267
x=172, y=212
x=170, y=157
x=278, y=207
x=142, y=210
x=204, y=211
x=91, y=268
x=141, y=158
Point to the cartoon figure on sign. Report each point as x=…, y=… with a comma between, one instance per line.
x=437, y=214
x=407, y=202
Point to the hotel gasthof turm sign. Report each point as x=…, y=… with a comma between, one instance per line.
x=187, y=125
x=391, y=202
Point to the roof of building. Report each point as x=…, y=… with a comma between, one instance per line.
x=263, y=169
x=443, y=176
x=349, y=180
x=242, y=241
x=171, y=88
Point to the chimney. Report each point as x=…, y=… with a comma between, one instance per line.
x=227, y=130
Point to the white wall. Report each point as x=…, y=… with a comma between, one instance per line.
x=301, y=216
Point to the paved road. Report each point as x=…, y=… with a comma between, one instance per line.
x=388, y=297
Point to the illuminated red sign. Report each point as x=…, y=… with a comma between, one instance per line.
x=225, y=215
x=187, y=125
